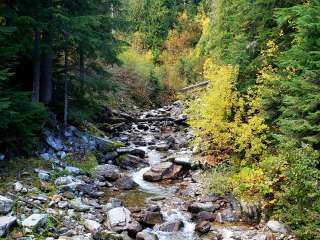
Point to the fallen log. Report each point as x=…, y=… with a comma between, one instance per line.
x=199, y=85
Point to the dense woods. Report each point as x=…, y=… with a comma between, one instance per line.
x=257, y=123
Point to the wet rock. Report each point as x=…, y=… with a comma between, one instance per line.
x=2, y=157
x=118, y=219
x=200, y=207
x=278, y=227
x=35, y=221
x=164, y=170
x=5, y=224
x=162, y=147
x=171, y=226
x=6, y=205
x=131, y=162
x=185, y=161
x=107, y=172
x=144, y=235
x=203, y=227
x=92, y=226
x=152, y=218
x=126, y=183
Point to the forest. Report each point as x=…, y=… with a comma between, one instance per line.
x=116, y=69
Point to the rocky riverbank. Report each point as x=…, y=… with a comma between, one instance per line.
x=146, y=187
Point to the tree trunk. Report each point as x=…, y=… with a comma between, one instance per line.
x=81, y=66
x=65, y=115
x=46, y=71
x=36, y=68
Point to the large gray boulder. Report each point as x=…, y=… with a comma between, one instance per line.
x=5, y=224
x=107, y=172
x=126, y=183
x=6, y=205
x=278, y=227
x=118, y=219
x=161, y=171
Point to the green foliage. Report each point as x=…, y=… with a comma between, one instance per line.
x=299, y=194
x=21, y=120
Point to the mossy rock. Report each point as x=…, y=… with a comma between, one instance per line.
x=108, y=235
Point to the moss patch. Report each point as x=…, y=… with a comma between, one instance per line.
x=86, y=162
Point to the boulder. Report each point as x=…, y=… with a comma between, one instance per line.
x=171, y=226
x=54, y=143
x=35, y=221
x=203, y=227
x=144, y=235
x=130, y=162
x=199, y=207
x=118, y=219
x=107, y=172
x=161, y=171
x=92, y=226
x=126, y=183
x=152, y=218
x=278, y=227
x=5, y=224
x=205, y=216
x=133, y=151
x=6, y=205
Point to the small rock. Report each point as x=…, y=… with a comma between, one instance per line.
x=63, y=204
x=35, y=221
x=2, y=157
x=64, y=180
x=44, y=176
x=278, y=227
x=74, y=170
x=18, y=187
x=78, y=205
x=5, y=224
x=164, y=170
x=6, y=205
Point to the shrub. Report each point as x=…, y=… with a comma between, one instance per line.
x=21, y=121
